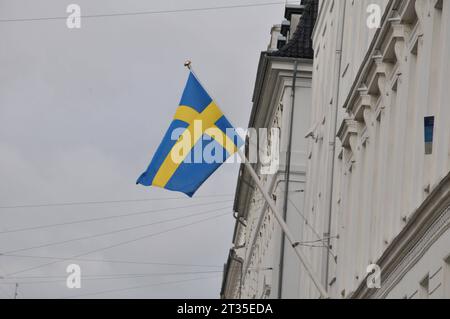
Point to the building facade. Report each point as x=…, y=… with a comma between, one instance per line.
x=376, y=198
x=261, y=264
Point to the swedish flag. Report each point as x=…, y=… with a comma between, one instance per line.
x=199, y=140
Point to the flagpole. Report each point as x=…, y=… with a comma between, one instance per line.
x=280, y=220
x=284, y=226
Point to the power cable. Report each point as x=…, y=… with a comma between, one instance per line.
x=138, y=287
x=105, y=202
x=80, y=221
x=132, y=262
x=118, y=275
x=63, y=279
x=138, y=13
x=113, y=232
x=121, y=243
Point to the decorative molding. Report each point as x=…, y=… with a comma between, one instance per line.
x=363, y=106
x=397, y=32
x=377, y=76
x=348, y=134
x=429, y=222
x=399, y=17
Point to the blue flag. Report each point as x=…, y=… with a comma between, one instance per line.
x=199, y=140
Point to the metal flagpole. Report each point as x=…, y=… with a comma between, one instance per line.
x=278, y=217
x=284, y=226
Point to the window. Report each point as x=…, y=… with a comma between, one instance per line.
x=429, y=134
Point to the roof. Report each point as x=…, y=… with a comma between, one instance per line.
x=300, y=45
x=291, y=9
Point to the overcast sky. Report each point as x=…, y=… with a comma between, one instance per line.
x=81, y=113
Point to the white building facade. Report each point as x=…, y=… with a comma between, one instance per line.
x=262, y=264
x=375, y=194
x=381, y=128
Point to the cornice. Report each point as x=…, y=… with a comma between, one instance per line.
x=373, y=53
x=348, y=129
x=423, y=228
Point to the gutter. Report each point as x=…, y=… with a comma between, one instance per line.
x=287, y=179
x=260, y=77
x=243, y=189
x=332, y=143
x=363, y=70
x=232, y=258
x=272, y=187
x=265, y=59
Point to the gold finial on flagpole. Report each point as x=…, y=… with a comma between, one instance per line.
x=188, y=64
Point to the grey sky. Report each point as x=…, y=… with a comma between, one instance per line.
x=81, y=113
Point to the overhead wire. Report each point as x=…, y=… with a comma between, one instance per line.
x=112, y=261
x=114, y=231
x=102, y=275
x=105, y=278
x=41, y=205
x=153, y=12
x=88, y=220
x=138, y=287
x=120, y=244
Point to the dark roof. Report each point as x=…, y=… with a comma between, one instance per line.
x=300, y=45
x=291, y=9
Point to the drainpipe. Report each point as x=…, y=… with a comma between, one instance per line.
x=287, y=180
x=262, y=215
x=241, y=277
x=332, y=140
